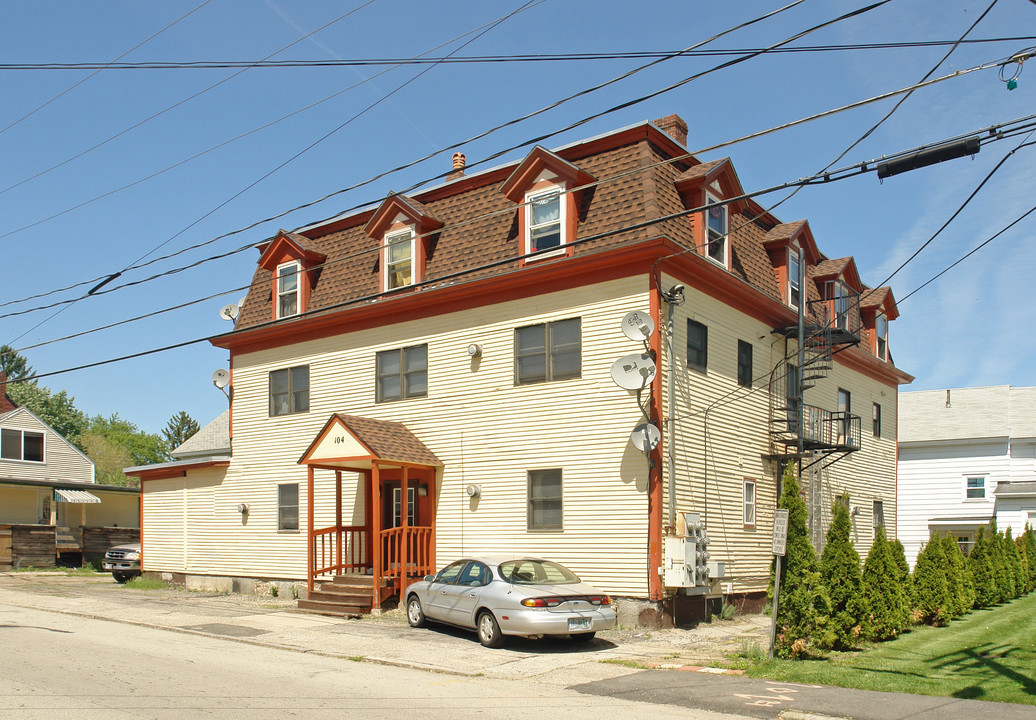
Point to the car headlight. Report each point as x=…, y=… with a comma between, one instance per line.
x=132, y=556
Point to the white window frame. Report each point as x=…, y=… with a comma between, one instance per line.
x=711, y=199
x=530, y=198
x=881, y=337
x=282, y=525
x=985, y=487
x=794, y=286
x=21, y=446
x=748, y=502
x=281, y=295
x=396, y=238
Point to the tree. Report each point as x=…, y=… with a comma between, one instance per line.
x=903, y=575
x=840, y=567
x=180, y=427
x=982, y=571
x=888, y=614
x=1004, y=581
x=1014, y=563
x=56, y=409
x=1028, y=539
x=804, y=609
x=12, y=364
x=106, y=436
x=958, y=579
x=933, y=600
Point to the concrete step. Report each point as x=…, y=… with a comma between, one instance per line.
x=321, y=607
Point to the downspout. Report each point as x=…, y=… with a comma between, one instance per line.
x=655, y=590
x=672, y=298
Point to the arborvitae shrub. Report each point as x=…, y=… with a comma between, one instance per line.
x=933, y=600
x=887, y=611
x=1001, y=572
x=983, y=574
x=1028, y=539
x=840, y=567
x=958, y=579
x=903, y=567
x=1014, y=563
x=804, y=609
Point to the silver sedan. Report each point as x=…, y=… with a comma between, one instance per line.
x=496, y=598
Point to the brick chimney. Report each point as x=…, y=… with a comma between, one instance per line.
x=458, y=166
x=675, y=127
x=6, y=405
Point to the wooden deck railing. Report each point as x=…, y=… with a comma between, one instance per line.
x=396, y=572
x=337, y=550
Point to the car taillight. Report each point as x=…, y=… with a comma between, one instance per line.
x=542, y=602
x=600, y=600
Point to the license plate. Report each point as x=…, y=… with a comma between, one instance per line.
x=579, y=623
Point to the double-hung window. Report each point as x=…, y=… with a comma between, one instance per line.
x=288, y=506
x=878, y=514
x=881, y=331
x=794, y=281
x=21, y=445
x=287, y=289
x=697, y=345
x=716, y=230
x=844, y=409
x=876, y=419
x=545, y=500
x=399, y=259
x=744, y=363
x=289, y=390
x=548, y=351
x=544, y=221
x=402, y=373
x=975, y=487
x=749, y=503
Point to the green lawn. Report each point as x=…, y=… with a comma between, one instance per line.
x=986, y=655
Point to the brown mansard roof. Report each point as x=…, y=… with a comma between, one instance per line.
x=479, y=233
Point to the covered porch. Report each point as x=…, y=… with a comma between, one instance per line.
x=359, y=566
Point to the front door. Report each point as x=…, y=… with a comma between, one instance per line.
x=392, y=505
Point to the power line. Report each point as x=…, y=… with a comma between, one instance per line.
x=483, y=59
x=413, y=163
x=100, y=67
x=175, y=105
x=822, y=178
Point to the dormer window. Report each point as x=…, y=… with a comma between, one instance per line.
x=287, y=289
x=399, y=255
x=794, y=279
x=544, y=221
x=881, y=333
x=716, y=230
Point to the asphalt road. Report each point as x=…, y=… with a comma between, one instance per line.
x=59, y=666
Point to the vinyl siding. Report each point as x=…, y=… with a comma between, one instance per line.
x=18, y=506
x=722, y=439
x=483, y=428
x=62, y=461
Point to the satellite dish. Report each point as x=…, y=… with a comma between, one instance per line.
x=645, y=437
x=241, y=302
x=637, y=325
x=229, y=312
x=633, y=372
x=221, y=378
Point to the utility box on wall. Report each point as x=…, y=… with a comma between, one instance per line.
x=680, y=554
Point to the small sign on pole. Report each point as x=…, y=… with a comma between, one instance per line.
x=780, y=543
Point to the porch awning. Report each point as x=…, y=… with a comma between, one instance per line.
x=75, y=496
x=350, y=442
x=961, y=522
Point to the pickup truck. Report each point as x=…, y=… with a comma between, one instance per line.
x=122, y=561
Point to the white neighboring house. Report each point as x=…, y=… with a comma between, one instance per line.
x=966, y=456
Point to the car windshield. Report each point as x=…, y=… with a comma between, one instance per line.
x=536, y=572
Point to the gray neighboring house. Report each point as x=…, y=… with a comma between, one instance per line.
x=966, y=456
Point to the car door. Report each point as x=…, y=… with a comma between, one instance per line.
x=440, y=595
x=465, y=593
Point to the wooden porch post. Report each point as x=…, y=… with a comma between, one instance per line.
x=338, y=519
x=404, y=521
x=433, y=491
x=309, y=529
x=375, y=493
x=368, y=513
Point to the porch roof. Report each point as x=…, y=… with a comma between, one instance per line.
x=350, y=442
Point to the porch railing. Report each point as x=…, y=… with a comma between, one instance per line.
x=418, y=543
x=337, y=550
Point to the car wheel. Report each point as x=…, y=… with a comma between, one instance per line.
x=489, y=631
x=121, y=577
x=582, y=637
x=414, y=612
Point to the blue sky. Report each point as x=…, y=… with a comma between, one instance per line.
x=969, y=328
